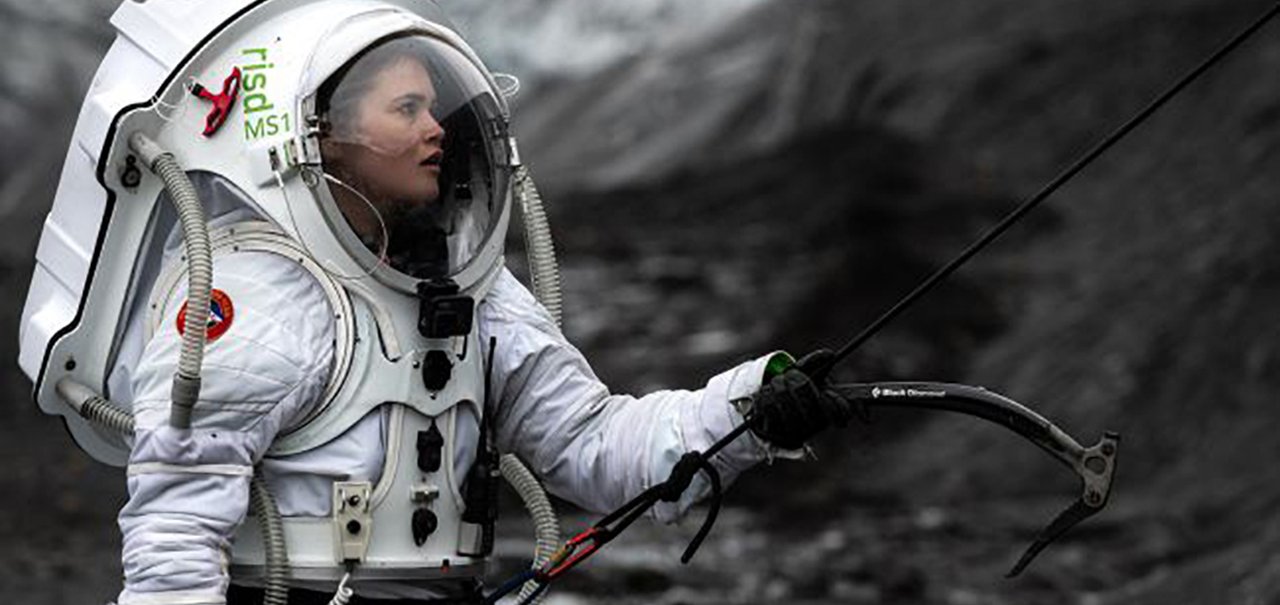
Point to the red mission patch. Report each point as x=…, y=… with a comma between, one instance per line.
x=221, y=312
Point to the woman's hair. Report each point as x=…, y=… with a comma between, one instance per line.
x=338, y=98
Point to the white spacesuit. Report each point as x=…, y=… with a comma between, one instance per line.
x=326, y=317
x=267, y=371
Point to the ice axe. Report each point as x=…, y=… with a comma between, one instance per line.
x=1096, y=465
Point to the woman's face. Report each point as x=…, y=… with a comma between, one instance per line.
x=398, y=143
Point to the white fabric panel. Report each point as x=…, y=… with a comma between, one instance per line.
x=224, y=207
x=262, y=374
x=303, y=483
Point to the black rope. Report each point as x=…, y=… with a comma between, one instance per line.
x=712, y=513
x=670, y=490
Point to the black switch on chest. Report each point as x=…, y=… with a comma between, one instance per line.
x=436, y=370
x=424, y=524
x=430, y=449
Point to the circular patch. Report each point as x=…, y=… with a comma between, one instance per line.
x=221, y=312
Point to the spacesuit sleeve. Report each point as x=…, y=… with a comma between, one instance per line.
x=591, y=447
x=267, y=362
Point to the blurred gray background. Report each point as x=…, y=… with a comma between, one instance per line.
x=734, y=176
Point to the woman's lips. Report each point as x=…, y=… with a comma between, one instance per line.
x=433, y=159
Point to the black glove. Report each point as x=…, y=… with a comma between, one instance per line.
x=799, y=403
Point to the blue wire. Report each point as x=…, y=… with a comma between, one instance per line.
x=510, y=585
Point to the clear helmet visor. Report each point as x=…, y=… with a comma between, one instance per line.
x=417, y=174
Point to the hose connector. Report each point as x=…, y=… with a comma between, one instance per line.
x=147, y=149
x=94, y=407
x=183, y=396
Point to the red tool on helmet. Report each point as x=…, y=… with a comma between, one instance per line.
x=222, y=102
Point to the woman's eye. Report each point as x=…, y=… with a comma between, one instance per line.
x=409, y=109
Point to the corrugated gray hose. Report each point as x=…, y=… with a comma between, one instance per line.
x=96, y=409
x=545, y=273
x=195, y=235
x=539, y=245
x=263, y=504
x=545, y=523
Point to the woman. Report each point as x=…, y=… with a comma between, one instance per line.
x=417, y=164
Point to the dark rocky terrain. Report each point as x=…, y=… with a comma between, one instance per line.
x=779, y=182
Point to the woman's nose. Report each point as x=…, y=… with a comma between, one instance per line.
x=432, y=130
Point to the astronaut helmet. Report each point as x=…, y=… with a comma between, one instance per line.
x=415, y=158
x=295, y=156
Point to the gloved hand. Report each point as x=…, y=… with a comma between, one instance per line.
x=799, y=403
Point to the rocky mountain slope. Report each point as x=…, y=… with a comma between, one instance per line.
x=841, y=151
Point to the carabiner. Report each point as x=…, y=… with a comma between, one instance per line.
x=569, y=555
